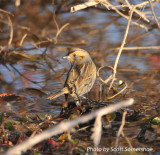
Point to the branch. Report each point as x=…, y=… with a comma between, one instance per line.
x=120, y=51
x=154, y=14
x=66, y=126
x=121, y=128
x=83, y=6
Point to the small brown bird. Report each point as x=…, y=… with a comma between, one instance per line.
x=81, y=75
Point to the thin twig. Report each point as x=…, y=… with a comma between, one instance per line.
x=65, y=126
x=59, y=31
x=121, y=128
x=7, y=12
x=11, y=31
x=104, y=82
x=83, y=6
x=120, y=51
x=107, y=79
x=22, y=40
x=118, y=92
x=154, y=14
x=107, y=4
x=135, y=48
x=97, y=130
x=127, y=139
x=143, y=3
x=141, y=14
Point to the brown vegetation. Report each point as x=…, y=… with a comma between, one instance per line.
x=123, y=39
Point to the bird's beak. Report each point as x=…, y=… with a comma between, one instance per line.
x=66, y=57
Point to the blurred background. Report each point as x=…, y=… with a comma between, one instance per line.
x=36, y=34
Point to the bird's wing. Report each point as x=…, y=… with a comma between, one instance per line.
x=63, y=91
x=72, y=76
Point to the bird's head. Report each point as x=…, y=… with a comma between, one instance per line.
x=78, y=56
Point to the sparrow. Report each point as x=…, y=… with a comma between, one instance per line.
x=81, y=75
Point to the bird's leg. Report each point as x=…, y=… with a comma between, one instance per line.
x=65, y=104
x=77, y=100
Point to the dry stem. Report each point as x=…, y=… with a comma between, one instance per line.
x=121, y=128
x=65, y=126
x=154, y=15
x=120, y=51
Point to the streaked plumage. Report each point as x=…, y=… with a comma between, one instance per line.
x=81, y=76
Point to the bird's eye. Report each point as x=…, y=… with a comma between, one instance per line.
x=74, y=55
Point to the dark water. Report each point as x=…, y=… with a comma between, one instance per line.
x=97, y=31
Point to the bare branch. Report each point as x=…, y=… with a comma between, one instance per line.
x=108, y=79
x=120, y=51
x=136, y=48
x=108, y=6
x=66, y=126
x=125, y=87
x=22, y=40
x=59, y=31
x=83, y=6
x=141, y=14
x=154, y=15
x=7, y=12
x=121, y=128
x=11, y=31
x=97, y=131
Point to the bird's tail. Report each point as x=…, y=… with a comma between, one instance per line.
x=63, y=91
